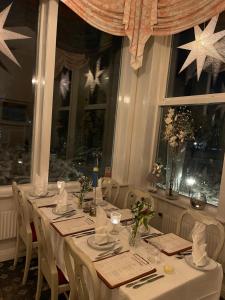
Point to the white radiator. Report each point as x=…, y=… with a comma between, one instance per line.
x=7, y=224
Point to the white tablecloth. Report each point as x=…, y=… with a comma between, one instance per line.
x=185, y=283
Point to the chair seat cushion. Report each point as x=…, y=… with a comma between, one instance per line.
x=61, y=277
x=34, y=236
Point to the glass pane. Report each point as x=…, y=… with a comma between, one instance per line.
x=186, y=83
x=85, y=89
x=17, y=92
x=202, y=159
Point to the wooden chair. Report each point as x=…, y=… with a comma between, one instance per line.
x=46, y=260
x=80, y=271
x=134, y=194
x=25, y=229
x=111, y=189
x=214, y=230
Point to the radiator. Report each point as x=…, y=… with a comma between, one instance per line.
x=7, y=224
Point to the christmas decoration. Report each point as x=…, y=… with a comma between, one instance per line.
x=64, y=84
x=8, y=35
x=203, y=46
x=93, y=80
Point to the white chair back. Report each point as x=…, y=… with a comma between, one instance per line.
x=214, y=230
x=23, y=216
x=83, y=279
x=45, y=251
x=111, y=189
x=134, y=194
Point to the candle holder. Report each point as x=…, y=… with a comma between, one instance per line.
x=198, y=201
x=115, y=220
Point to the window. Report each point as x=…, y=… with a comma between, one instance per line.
x=17, y=92
x=85, y=92
x=202, y=159
x=185, y=83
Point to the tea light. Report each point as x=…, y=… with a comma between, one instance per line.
x=168, y=269
x=115, y=220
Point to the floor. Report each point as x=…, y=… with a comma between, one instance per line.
x=10, y=282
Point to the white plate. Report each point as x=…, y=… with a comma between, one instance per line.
x=91, y=242
x=48, y=194
x=64, y=209
x=208, y=267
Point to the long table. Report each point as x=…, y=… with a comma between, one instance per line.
x=184, y=283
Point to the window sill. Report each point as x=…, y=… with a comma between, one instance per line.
x=184, y=202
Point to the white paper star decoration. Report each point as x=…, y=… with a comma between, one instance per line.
x=92, y=80
x=6, y=35
x=64, y=84
x=203, y=46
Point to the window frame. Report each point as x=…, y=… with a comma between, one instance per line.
x=43, y=99
x=161, y=54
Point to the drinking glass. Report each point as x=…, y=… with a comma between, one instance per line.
x=115, y=220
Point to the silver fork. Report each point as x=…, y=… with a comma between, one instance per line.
x=109, y=254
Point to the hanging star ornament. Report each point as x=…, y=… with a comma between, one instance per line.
x=92, y=80
x=64, y=84
x=203, y=46
x=6, y=35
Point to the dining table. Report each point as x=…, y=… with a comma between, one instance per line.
x=177, y=279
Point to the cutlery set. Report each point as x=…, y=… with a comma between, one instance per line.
x=182, y=254
x=136, y=286
x=147, y=279
x=109, y=253
x=81, y=234
x=151, y=235
x=141, y=260
x=66, y=215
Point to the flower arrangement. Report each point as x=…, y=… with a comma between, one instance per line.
x=142, y=212
x=154, y=176
x=178, y=127
x=178, y=130
x=85, y=186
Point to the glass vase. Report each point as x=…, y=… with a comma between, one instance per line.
x=81, y=200
x=134, y=236
x=174, y=170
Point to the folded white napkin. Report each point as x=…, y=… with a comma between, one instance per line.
x=39, y=187
x=199, y=254
x=101, y=226
x=62, y=198
x=100, y=182
x=99, y=196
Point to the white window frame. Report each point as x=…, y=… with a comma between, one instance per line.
x=161, y=54
x=43, y=100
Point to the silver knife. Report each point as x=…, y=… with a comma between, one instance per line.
x=141, y=280
x=136, y=286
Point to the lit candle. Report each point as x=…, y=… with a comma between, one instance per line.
x=115, y=217
x=115, y=220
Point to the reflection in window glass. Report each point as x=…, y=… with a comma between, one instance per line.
x=17, y=92
x=203, y=157
x=85, y=93
x=212, y=77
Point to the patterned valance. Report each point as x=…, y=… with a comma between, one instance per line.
x=140, y=19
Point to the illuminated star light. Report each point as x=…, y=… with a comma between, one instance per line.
x=64, y=84
x=203, y=46
x=92, y=80
x=6, y=35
